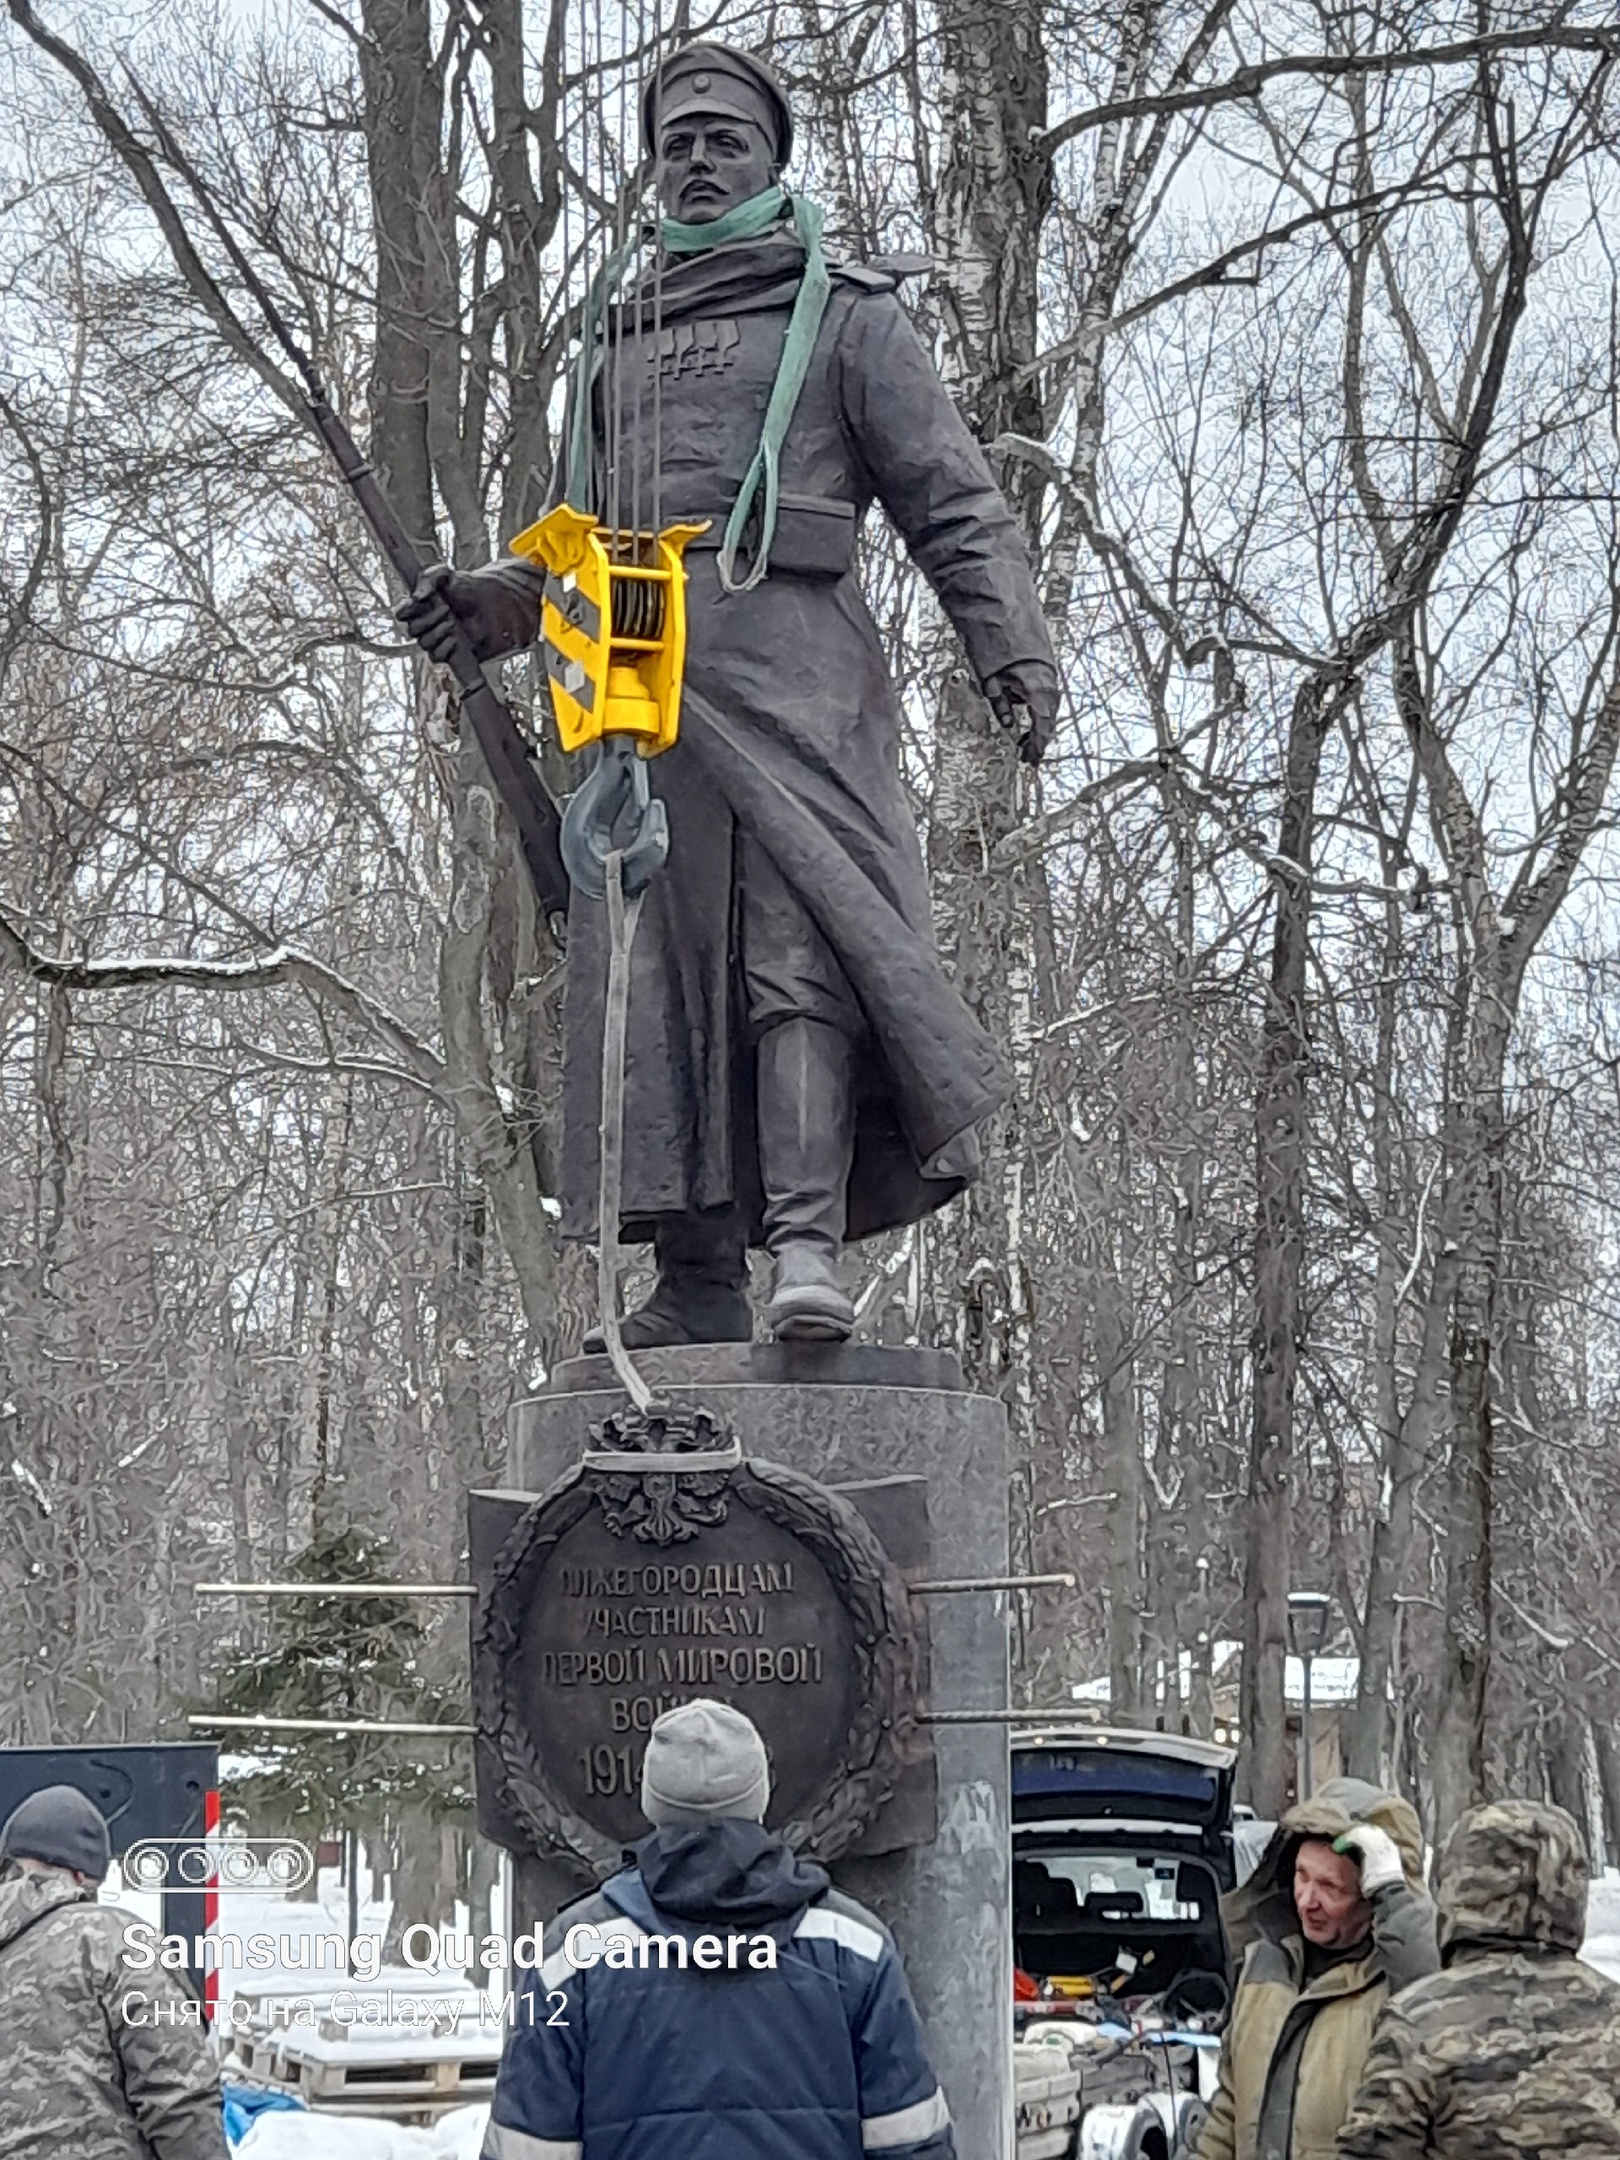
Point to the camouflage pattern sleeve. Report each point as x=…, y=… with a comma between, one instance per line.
x=1392, y=2115
x=171, y=2080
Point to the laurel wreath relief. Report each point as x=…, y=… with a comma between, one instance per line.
x=670, y=1507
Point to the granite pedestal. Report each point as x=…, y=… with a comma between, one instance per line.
x=844, y=1415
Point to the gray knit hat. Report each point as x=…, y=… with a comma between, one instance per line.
x=61, y=1826
x=704, y=1760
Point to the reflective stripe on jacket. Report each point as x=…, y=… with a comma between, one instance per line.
x=820, y=2059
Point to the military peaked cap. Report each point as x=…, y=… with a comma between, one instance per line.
x=716, y=79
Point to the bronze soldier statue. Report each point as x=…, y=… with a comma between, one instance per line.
x=800, y=1069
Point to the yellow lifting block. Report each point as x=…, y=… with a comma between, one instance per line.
x=613, y=626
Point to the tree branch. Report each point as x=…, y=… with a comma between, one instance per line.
x=20, y=610
x=144, y=172
x=1213, y=274
x=1249, y=81
x=282, y=964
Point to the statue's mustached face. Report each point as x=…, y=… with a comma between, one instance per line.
x=707, y=165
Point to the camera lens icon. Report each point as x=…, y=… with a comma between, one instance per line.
x=146, y=1867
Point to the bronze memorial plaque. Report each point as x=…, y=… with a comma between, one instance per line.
x=618, y=1596
x=744, y=1612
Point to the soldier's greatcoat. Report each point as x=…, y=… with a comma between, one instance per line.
x=98, y=2061
x=1513, y=2051
x=790, y=734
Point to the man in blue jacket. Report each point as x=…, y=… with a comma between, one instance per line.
x=720, y=2001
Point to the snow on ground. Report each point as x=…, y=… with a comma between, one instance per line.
x=292, y=2136
x=1602, y=1947
x=298, y=1927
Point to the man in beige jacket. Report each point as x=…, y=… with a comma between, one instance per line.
x=1333, y=1921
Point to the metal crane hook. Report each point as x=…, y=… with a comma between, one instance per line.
x=615, y=808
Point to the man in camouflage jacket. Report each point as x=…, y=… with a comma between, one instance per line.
x=1512, y=2050
x=96, y=2063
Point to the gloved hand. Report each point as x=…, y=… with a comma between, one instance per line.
x=495, y=618
x=1025, y=699
x=1376, y=1854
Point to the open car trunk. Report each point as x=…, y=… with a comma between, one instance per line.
x=1131, y=1923
x=1122, y=1846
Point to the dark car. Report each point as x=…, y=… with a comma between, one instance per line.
x=1122, y=1848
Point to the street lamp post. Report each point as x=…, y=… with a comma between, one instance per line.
x=1308, y=1612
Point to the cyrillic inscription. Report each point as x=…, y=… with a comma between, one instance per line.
x=744, y=1611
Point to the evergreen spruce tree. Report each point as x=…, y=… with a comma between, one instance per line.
x=343, y=1657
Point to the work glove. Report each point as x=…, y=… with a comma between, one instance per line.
x=1025, y=699
x=496, y=619
x=1376, y=1854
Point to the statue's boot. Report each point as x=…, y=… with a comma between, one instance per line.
x=701, y=1293
x=806, y=1122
